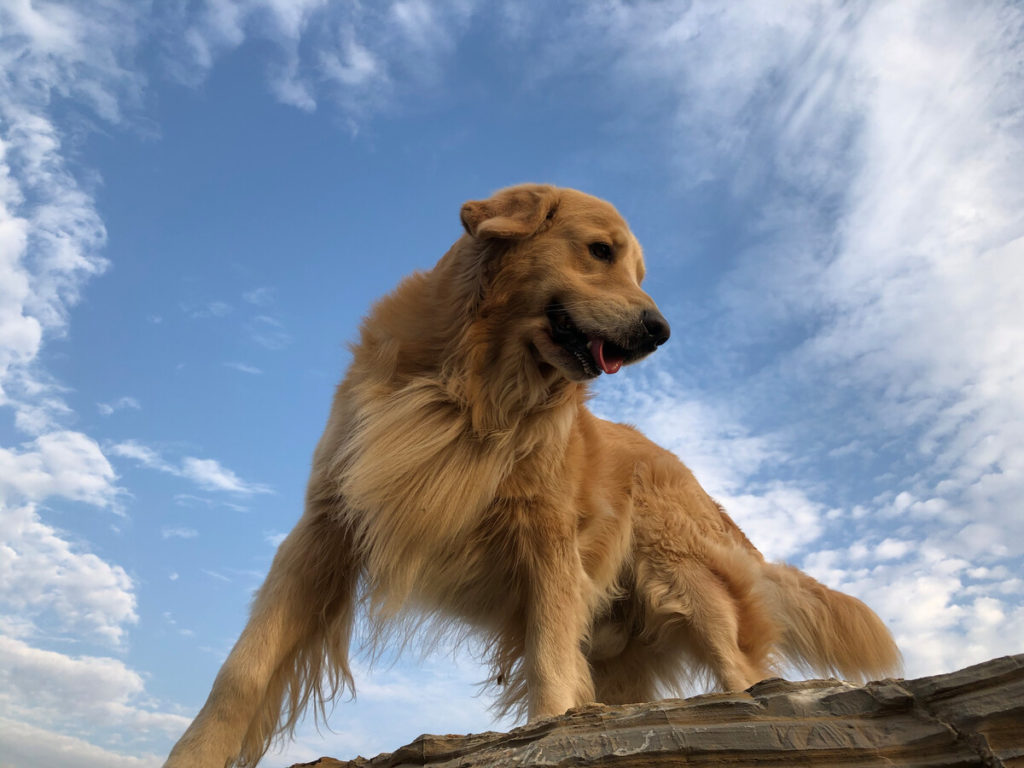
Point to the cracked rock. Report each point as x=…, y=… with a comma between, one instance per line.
x=973, y=717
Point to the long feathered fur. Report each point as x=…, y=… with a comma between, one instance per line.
x=461, y=480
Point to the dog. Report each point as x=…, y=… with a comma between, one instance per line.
x=462, y=478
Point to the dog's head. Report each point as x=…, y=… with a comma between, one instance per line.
x=563, y=274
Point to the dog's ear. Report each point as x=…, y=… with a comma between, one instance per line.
x=511, y=214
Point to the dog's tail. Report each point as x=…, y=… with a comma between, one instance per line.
x=828, y=632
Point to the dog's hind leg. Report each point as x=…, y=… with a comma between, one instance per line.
x=628, y=677
x=296, y=638
x=624, y=666
x=691, y=610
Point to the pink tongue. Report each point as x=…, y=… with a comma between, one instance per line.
x=608, y=365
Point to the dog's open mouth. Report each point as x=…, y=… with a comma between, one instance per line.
x=593, y=353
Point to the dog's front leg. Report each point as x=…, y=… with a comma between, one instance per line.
x=557, y=674
x=301, y=620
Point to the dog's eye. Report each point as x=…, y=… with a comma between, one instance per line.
x=602, y=251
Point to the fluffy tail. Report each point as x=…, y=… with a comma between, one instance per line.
x=827, y=632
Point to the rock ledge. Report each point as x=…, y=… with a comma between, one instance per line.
x=974, y=717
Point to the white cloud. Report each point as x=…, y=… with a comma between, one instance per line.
x=85, y=684
x=353, y=56
x=207, y=310
x=274, y=538
x=50, y=233
x=216, y=575
x=890, y=258
x=705, y=434
x=781, y=518
x=130, y=449
x=269, y=332
x=50, y=237
x=252, y=370
x=417, y=21
x=42, y=412
x=66, y=464
x=121, y=404
x=351, y=65
x=893, y=549
x=431, y=28
x=931, y=601
x=207, y=473
x=50, y=241
x=45, y=577
x=172, y=622
x=28, y=746
x=190, y=500
x=921, y=285
x=261, y=297
x=889, y=140
x=438, y=692
x=178, y=533
x=63, y=694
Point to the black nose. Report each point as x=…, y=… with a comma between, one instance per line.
x=656, y=326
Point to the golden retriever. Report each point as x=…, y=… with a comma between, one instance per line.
x=461, y=477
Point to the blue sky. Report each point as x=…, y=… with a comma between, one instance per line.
x=199, y=200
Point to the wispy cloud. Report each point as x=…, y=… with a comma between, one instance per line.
x=261, y=297
x=274, y=538
x=39, y=407
x=121, y=404
x=434, y=694
x=147, y=457
x=172, y=622
x=353, y=57
x=269, y=332
x=911, y=295
x=874, y=151
x=207, y=310
x=178, y=533
x=216, y=575
x=208, y=474
x=191, y=500
x=252, y=370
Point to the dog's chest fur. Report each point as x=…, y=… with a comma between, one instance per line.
x=492, y=499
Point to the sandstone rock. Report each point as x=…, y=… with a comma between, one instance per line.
x=974, y=717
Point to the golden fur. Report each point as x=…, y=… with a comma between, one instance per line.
x=461, y=477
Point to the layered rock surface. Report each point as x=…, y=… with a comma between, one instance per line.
x=974, y=717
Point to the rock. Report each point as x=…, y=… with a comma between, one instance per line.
x=974, y=717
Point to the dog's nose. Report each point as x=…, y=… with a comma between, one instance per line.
x=656, y=326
